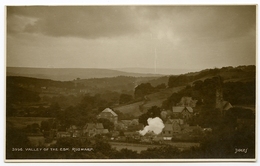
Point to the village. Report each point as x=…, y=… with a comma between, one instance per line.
x=177, y=127
x=188, y=116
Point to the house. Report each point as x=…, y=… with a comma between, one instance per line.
x=75, y=131
x=133, y=122
x=127, y=123
x=224, y=106
x=191, y=129
x=221, y=105
x=187, y=102
x=207, y=130
x=132, y=125
x=92, y=129
x=176, y=125
x=120, y=126
x=108, y=114
x=177, y=121
x=62, y=134
x=182, y=112
x=115, y=133
x=123, y=124
x=167, y=132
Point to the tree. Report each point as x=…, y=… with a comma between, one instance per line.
x=153, y=112
x=143, y=89
x=143, y=119
x=208, y=117
x=197, y=85
x=172, y=100
x=179, y=80
x=45, y=125
x=54, y=109
x=125, y=98
x=88, y=102
x=240, y=113
x=123, y=116
x=106, y=123
x=16, y=94
x=10, y=110
x=161, y=86
x=16, y=139
x=240, y=93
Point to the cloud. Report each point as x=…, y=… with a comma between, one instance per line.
x=204, y=22
x=93, y=22
x=78, y=21
x=155, y=125
x=194, y=37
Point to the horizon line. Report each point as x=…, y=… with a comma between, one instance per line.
x=124, y=67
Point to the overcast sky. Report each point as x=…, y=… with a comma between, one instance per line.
x=176, y=37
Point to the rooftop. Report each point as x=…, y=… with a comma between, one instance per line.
x=110, y=111
x=179, y=109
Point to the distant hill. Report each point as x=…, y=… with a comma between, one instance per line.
x=69, y=74
x=116, y=84
x=92, y=86
x=163, y=71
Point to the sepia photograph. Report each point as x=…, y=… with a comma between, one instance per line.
x=135, y=83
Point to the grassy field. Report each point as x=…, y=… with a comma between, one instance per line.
x=154, y=99
x=131, y=146
x=132, y=109
x=21, y=122
x=141, y=147
x=165, y=93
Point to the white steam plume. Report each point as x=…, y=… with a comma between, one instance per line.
x=154, y=124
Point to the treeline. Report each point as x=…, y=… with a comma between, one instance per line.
x=23, y=101
x=16, y=94
x=94, y=85
x=237, y=93
x=85, y=111
x=37, y=83
x=240, y=73
x=240, y=93
x=146, y=88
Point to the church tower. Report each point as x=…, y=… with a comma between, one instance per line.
x=219, y=98
x=219, y=95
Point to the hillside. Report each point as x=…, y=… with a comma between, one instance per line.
x=155, y=99
x=69, y=74
x=228, y=74
x=176, y=83
x=126, y=84
x=93, y=86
